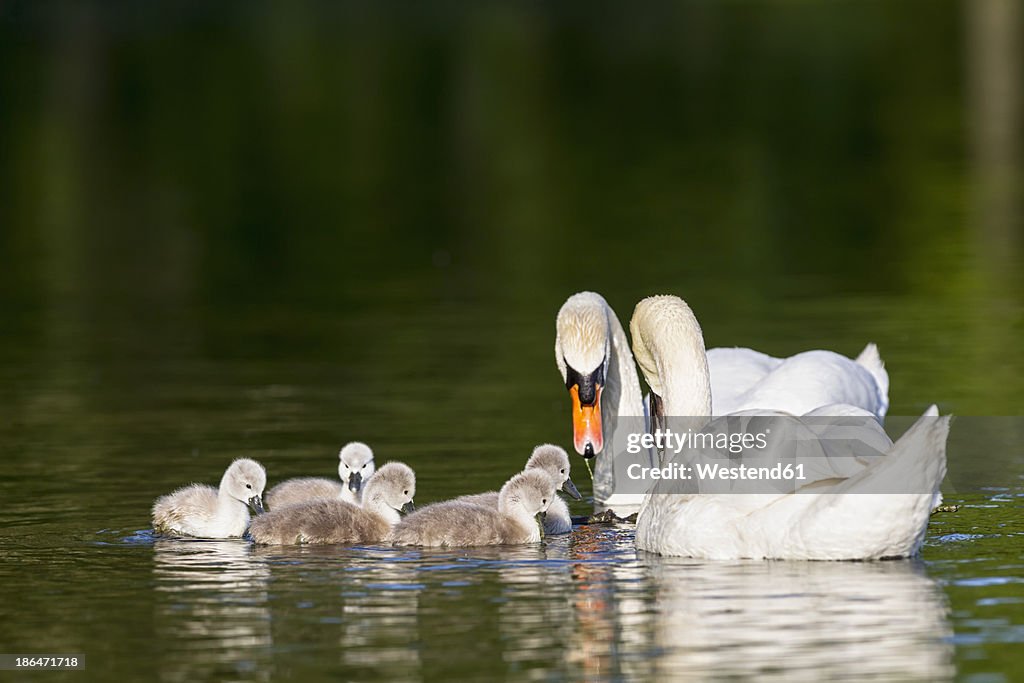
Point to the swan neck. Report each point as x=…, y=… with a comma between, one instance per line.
x=224, y=497
x=669, y=347
x=375, y=503
x=622, y=395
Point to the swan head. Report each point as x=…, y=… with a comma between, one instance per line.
x=355, y=464
x=582, y=353
x=530, y=492
x=554, y=461
x=244, y=480
x=393, y=486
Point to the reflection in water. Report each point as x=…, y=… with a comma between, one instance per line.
x=605, y=609
x=535, y=611
x=380, y=629
x=799, y=620
x=355, y=608
x=581, y=606
x=211, y=610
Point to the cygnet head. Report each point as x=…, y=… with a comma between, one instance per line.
x=355, y=464
x=554, y=461
x=582, y=352
x=391, y=489
x=244, y=480
x=530, y=492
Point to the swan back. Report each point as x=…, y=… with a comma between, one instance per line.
x=319, y=521
x=304, y=489
x=330, y=520
x=458, y=522
x=554, y=462
x=455, y=523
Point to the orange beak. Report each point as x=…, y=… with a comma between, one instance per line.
x=586, y=424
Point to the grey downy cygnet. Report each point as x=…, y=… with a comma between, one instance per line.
x=355, y=466
x=453, y=523
x=554, y=461
x=329, y=520
x=207, y=512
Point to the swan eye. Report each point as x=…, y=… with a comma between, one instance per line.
x=363, y=467
x=562, y=470
x=345, y=464
x=248, y=486
x=406, y=492
x=544, y=501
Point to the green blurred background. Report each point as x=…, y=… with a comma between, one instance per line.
x=289, y=223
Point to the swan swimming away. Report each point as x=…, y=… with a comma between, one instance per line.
x=554, y=461
x=455, y=524
x=355, y=465
x=843, y=520
x=207, y=512
x=593, y=356
x=330, y=520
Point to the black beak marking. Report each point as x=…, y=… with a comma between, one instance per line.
x=586, y=384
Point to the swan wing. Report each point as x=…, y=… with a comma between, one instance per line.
x=810, y=380
x=734, y=371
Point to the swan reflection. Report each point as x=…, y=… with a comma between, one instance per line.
x=798, y=620
x=611, y=613
x=211, y=609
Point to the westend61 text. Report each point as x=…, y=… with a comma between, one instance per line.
x=716, y=472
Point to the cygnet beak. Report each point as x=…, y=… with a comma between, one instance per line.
x=570, y=488
x=408, y=507
x=355, y=481
x=256, y=503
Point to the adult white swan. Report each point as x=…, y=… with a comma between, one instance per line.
x=848, y=519
x=594, y=357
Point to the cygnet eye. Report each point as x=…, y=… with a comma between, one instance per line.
x=562, y=470
x=543, y=501
x=364, y=466
x=345, y=464
x=248, y=486
x=406, y=492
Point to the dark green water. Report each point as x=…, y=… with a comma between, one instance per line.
x=267, y=230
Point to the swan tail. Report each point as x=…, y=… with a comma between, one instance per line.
x=877, y=524
x=871, y=361
x=916, y=462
